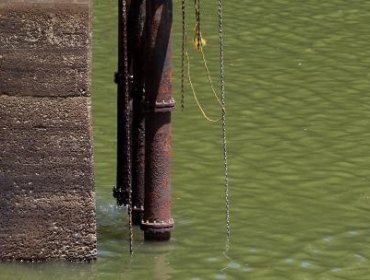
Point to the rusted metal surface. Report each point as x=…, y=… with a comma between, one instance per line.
x=121, y=190
x=158, y=222
x=138, y=146
x=136, y=24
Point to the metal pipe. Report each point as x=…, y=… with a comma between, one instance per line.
x=121, y=190
x=138, y=146
x=136, y=31
x=158, y=222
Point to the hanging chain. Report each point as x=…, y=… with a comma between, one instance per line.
x=127, y=117
x=199, y=42
x=224, y=132
x=198, y=34
x=183, y=50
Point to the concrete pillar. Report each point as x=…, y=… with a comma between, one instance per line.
x=47, y=205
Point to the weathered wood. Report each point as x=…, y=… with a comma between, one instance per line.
x=47, y=205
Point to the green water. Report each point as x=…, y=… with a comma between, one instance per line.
x=298, y=104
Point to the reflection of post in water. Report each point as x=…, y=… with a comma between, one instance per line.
x=162, y=269
x=144, y=115
x=155, y=257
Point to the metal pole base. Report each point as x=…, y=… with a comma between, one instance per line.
x=157, y=231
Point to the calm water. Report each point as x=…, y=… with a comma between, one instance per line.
x=298, y=106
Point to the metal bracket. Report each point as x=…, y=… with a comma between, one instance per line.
x=161, y=106
x=158, y=227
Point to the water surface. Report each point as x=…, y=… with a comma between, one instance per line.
x=298, y=104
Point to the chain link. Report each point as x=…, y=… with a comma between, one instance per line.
x=224, y=131
x=127, y=117
x=183, y=50
x=198, y=33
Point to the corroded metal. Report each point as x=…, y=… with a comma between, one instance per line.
x=122, y=79
x=138, y=146
x=136, y=24
x=158, y=222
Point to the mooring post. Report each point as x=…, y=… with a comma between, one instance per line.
x=136, y=24
x=158, y=222
x=121, y=190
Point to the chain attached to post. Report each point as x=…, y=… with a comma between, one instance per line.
x=198, y=34
x=199, y=42
x=127, y=117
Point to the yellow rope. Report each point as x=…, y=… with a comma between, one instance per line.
x=209, y=77
x=198, y=43
x=195, y=95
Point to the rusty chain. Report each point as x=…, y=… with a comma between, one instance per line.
x=224, y=131
x=183, y=50
x=198, y=33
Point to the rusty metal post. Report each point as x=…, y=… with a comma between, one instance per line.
x=121, y=190
x=136, y=24
x=158, y=222
x=138, y=147
x=136, y=121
